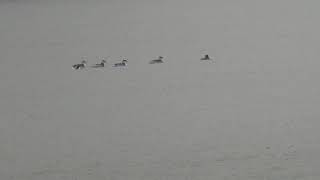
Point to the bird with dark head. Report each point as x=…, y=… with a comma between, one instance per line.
x=156, y=61
x=81, y=65
x=123, y=63
x=206, y=57
x=101, y=64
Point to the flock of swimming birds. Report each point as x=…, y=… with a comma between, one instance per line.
x=124, y=62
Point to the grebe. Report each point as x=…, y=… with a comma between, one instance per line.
x=155, y=61
x=206, y=57
x=123, y=63
x=82, y=65
x=102, y=64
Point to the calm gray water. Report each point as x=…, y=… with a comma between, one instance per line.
x=253, y=114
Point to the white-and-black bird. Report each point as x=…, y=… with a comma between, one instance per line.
x=123, y=63
x=101, y=64
x=81, y=65
x=206, y=58
x=156, y=61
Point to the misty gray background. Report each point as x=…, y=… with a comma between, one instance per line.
x=254, y=114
